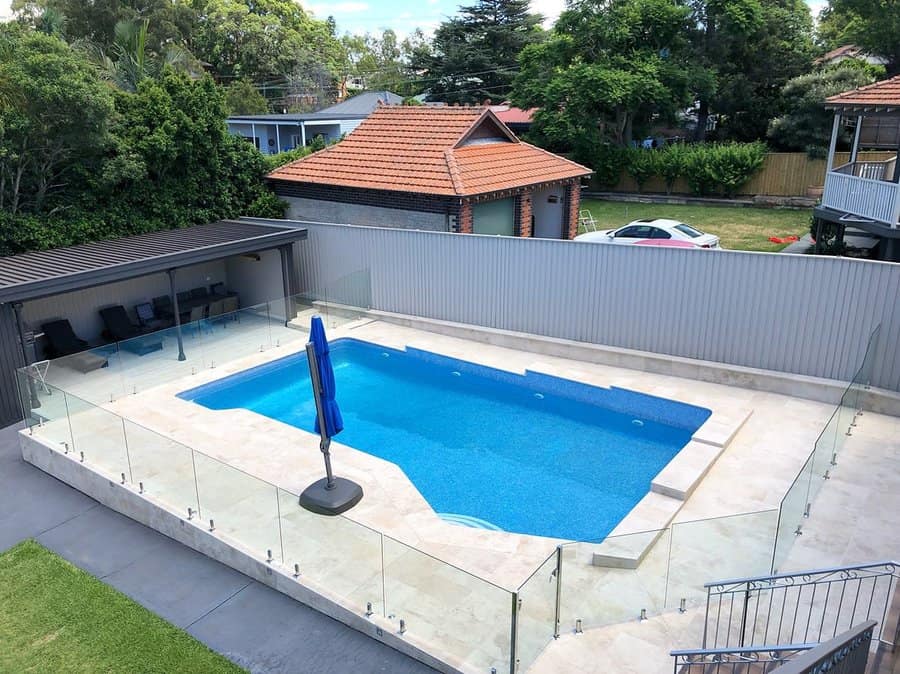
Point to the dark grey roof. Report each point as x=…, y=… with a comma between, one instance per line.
x=294, y=118
x=48, y=272
x=356, y=107
x=363, y=104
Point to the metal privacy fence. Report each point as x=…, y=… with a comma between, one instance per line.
x=788, y=313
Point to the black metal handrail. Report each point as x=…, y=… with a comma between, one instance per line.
x=799, y=607
x=847, y=653
x=725, y=660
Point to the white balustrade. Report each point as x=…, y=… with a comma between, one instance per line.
x=874, y=199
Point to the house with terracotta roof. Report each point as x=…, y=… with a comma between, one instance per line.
x=516, y=119
x=864, y=195
x=456, y=169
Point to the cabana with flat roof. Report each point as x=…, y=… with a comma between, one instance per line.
x=252, y=260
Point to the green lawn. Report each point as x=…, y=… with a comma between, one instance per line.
x=738, y=228
x=56, y=618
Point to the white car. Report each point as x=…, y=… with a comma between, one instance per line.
x=654, y=232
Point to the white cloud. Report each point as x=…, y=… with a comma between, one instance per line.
x=5, y=11
x=549, y=8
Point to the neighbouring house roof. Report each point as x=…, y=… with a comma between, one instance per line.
x=355, y=107
x=449, y=151
x=509, y=114
x=47, y=272
x=883, y=96
x=849, y=51
x=363, y=104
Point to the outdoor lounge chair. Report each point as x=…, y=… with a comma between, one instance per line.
x=162, y=307
x=149, y=319
x=122, y=330
x=62, y=341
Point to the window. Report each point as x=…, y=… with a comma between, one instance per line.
x=658, y=233
x=627, y=233
x=687, y=229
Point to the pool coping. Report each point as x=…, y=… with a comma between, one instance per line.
x=630, y=541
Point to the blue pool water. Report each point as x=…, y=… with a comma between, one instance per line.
x=532, y=454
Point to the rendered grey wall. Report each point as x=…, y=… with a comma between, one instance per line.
x=333, y=211
x=789, y=313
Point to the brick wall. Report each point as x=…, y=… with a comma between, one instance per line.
x=465, y=220
x=573, y=202
x=523, y=214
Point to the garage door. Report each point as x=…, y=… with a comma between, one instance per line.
x=494, y=217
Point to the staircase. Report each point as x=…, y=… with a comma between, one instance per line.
x=826, y=620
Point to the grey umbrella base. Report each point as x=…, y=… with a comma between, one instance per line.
x=343, y=495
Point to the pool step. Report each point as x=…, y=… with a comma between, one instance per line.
x=683, y=473
x=628, y=544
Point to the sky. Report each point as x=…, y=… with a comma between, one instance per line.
x=404, y=16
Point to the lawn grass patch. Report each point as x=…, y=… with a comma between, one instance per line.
x=55, y=617
x=738, y=228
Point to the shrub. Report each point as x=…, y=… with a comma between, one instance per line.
x=736, y=163
x=722, y=168
x=670, y=162
x=608, y=162
x=641, y=164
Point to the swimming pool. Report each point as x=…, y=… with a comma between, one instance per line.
x=531, y=454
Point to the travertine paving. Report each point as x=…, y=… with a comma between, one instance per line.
x=455, y=577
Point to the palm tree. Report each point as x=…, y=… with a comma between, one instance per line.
x=129, y=62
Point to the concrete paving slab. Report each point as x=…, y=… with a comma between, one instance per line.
x=31, y=501
x=263, y=631
x=101, y=541
x=177, y=583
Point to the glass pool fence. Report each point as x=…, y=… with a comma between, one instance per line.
x=796, y=506
x=435, y=605
x=440, y=607
x=107, y=372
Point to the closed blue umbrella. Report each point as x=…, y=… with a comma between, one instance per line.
x=331, y=495
x=334, y=423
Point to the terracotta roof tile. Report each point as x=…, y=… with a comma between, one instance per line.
x=884, y=94
x=421, y=149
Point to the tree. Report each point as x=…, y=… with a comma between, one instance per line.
x=128, y=60
x=56, y=117
x=873, y=25
x=609, y=68
x=274, y=43
x=95, y=21
x=473, y=55
x=806, y=124
x=752, y=47
x=242, y=98
x=381, y=63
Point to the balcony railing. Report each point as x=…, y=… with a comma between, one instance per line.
x=865, y=189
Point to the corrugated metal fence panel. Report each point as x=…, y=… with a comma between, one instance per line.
x=799, y=314
x=10, y=359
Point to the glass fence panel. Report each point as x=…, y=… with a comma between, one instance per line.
x=611, y=581
x=825, y=450
x=153, y=359
x=237, y=334
x=92, y=375
x=718, y=548
x=537, y=612
x=340, y=556
x=458, y=613
x=792, y=514
x=162, y=469
x=100, y=436
x=243, y=507
x=46, y=410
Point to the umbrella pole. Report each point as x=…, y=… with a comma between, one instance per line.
x=325, y=443
x=331, y=495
